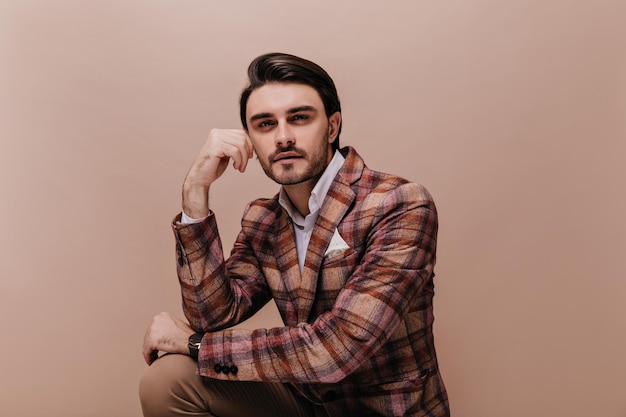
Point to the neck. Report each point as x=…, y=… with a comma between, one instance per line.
x=299, y=195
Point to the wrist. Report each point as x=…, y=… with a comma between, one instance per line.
x=194, y=344
x=196, y=200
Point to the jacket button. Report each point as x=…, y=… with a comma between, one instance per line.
x=234, y=369
x=217, y=368
x=225, y=369
x=330, y=395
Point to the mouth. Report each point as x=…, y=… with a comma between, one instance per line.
x=286, y=156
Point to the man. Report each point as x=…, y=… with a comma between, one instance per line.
x=347, y=253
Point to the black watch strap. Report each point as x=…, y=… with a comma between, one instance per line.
x=194, y=344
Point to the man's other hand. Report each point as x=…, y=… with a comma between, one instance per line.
x=166, y=334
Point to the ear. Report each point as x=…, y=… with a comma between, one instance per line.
x=334, y=121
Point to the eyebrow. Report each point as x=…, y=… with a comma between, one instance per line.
x=290, y=111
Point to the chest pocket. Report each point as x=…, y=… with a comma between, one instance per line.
x=337, y=266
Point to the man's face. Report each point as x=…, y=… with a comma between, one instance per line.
x=290, y=132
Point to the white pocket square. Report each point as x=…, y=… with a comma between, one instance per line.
x=337, y=244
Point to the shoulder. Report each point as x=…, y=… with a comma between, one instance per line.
x=370, y=183
x=387, y=190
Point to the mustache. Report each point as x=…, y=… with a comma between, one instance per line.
x=289, y=148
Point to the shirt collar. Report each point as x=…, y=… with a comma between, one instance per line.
x=317, y=195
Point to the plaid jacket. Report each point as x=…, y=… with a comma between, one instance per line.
x=358, y=319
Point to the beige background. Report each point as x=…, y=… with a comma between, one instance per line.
x=512, y=113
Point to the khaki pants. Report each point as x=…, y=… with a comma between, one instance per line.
x=171, y=387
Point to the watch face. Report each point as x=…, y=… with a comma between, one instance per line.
x=196, y=338
x=194, y=345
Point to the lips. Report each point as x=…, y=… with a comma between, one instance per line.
x=282, y=156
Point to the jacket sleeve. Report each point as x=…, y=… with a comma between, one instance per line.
x=399, y=259
x=213, y=299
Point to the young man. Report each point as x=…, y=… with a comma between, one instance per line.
x=347, y=253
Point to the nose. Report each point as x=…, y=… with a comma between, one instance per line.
x=284, y=135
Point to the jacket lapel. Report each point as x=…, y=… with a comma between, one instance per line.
x=335, y=206
x=284, y=245
x=338, y=200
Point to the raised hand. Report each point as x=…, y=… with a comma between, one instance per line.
x=221, y=146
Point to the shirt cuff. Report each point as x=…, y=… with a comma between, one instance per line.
x=184, y=219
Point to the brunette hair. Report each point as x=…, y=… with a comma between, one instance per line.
x=279, y=67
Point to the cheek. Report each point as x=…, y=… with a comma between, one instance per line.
x=317, y=135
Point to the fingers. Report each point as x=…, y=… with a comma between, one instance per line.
x=150, y=356
x=166, y=334
x=237, y=153
x=235, y=144
x=249, y=152
x=221, y=146
x=149, y=351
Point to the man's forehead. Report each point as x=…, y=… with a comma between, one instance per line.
x=282, y=97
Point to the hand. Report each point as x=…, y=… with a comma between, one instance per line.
x=210, y=164
x=166, y=334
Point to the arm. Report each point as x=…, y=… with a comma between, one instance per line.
x=398, y=261
x=166, y=333
x=213, y=297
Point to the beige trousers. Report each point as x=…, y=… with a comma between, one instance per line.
x=171, y=387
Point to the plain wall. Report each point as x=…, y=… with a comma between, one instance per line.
x=512, y=113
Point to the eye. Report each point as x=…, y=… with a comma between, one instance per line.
x=265, y=124
x=300, y=117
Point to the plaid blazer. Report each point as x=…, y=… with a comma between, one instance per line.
x=358, y=319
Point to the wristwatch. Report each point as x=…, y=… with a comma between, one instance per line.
x=194, y=344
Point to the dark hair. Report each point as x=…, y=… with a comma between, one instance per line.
x=278, y=67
